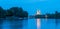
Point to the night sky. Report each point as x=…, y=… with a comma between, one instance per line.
x=45, y=6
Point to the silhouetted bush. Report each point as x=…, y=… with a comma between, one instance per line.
x=14, y=11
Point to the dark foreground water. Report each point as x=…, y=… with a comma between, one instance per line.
x=15, y=23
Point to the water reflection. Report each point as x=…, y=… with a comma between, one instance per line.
x=1, y=22
x=16, y=23
x=49, y=24
x=13, y=23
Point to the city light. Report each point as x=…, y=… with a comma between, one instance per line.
x=38, y=20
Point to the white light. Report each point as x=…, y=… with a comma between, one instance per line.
x=38, y=12
x=38, y=20
x=38, y=24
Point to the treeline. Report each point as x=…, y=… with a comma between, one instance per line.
x=14, y=11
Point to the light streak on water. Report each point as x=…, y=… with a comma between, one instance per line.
x=38, y=24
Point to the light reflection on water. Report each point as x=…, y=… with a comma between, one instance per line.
x=30, y=24
x=49, y=24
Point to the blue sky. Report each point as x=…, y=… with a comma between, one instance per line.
x=46, y=6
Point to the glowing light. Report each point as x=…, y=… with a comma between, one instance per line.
x=38, y=24
x=38, y=20
x=38, y=12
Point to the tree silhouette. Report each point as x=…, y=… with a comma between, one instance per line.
x=2, y=12
x=9, y=13
x=21, y=13
x=25, y=14
x=14, y=11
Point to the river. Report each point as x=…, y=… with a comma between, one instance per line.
x=30, y=24
x=45, y=24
